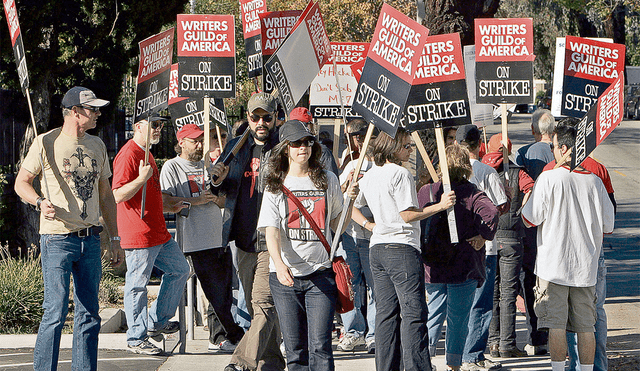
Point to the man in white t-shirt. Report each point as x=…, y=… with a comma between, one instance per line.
x=569, y=244
x=487, y=180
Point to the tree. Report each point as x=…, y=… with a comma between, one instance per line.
x=448, y=16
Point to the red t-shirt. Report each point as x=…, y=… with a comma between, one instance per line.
x=593, y=166
x=139, y=233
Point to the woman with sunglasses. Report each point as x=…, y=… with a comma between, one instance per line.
x=302, y=280
x=398, y=275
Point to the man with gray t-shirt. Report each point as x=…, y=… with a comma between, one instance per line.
x=200, y=233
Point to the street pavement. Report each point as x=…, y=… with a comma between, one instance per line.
x=619, y=152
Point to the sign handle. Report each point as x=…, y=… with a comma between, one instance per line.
x=347, y=202
x=35, y=138
x=446, y=184
x=505, y=140
x=564, y=159
x=147, y=147
x=343, y=113
x=336, y=140
x=425, y=155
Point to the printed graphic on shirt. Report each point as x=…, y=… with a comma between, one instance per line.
x=195, y=180
x=298, y=227
x=80, y=172
x=253, y=173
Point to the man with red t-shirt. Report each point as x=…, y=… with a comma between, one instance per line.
x=146, y=242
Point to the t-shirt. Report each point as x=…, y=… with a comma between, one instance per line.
x=388, y=190
x=533, y=157
x=73, y=167
x=245, y=217
x=488, y=181
x=135, y=232
x=354, y=229
x=593, y=166
x=202, y=229
x=300, y=247
x=571, y=230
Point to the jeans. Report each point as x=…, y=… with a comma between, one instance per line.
x=306, y=313
x=450, y=301
x=600, y=362
x=480, y=316
x=358, y=261
x=61, y=256
x=527, y=282
x=502, y=329
x=167, y=257
x=401, y=317
x=214, y=270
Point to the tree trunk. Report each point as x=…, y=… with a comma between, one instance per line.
x=448, y=16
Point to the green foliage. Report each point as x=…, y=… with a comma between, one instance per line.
x=109, y=285
x=21, y=293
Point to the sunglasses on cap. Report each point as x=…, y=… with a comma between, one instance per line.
x=265, y=118
x=307, y=142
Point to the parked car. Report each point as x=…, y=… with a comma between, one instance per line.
x=632, y=102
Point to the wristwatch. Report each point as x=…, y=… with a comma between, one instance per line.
x=38, y=202
x=364, y=225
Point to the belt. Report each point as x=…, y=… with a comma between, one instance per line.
x=91, y=231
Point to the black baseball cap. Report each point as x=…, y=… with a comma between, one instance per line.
x=79, y=96
x=294, y=130
x=468, y=133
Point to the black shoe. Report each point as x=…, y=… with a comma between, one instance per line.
x=170, y=328
x=512, y=353
x=232, y=367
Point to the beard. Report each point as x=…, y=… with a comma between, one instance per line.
x=154, y=140
x=195, y=156
x=261, y=137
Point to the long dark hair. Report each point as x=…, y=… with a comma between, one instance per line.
x=386, y=148
x=278, y=167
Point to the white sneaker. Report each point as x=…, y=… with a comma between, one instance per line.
x=535, y=350
x=224, y=347
x=349, y=342
x=371, y=346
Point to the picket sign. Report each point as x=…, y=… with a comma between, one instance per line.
x=446, y=184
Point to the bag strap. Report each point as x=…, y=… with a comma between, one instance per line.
x=310, y=220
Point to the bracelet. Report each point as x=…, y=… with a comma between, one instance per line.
x=115, y=238
x=38, y=202
x=364, y=225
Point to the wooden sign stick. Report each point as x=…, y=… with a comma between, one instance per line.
x=147, y=147
x=35, y=138
x=564, y=159
x=446, y=184
x=336, y=140
x=505, y=140
x=425, y=155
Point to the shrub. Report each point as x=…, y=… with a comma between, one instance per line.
x=109, y=291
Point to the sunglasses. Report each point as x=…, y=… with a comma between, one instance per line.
x=302, y=142
x=92, y=109
x=155, y=125
x=265, y=118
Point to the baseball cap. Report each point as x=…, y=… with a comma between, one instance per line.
x=191, y=131
x=468, y=133
x=294, y=130
x=301, y=114
x=262, y=100
x=79, y=96
x=495, y=143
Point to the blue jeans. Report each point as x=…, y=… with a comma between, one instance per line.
x=450, y=301
x=167, y=257
x=600, y=362
x=358, y=261
x=61, y=256
x=480, y=317
x=401, y=318
x=305, y=311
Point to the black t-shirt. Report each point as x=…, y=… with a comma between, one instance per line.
x=245, y=218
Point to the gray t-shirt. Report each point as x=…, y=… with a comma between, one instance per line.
x=202, y=229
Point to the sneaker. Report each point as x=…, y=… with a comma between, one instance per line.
x=232, y=367
x=145, y=348
x=170, y=328
x=348, y=343
x=494, y=350
x=371, y=346
x=222, y=347
x=535, y=350
x=483, y=365
x=512, y=353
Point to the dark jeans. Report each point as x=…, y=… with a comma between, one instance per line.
x=502, y=329
x=480, y=316
x=401, y=308
x=528, y=281
x=214, y=269
x=305, y=311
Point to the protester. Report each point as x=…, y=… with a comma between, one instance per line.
x=389, y=191
x=453, y=271
x=242, y=182
x=509, y=240
x=75, y=166
x=487, y=180
x=303, y=115
x=533, y=158
x=200, y=233
x=352, y=151
x=600, y=362
x=355, y=242
x=569, y=246
x=449, y=134
x=146, y=241
x=301, y=279
x=215, y=148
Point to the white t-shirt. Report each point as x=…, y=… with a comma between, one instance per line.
x=488, y=181
x=354, y=229
x=300, y=247
x=573, y=211
x=388, y=190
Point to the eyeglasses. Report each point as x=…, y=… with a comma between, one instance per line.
x=265, y=118
x=92, y=109
x=157, y=125
x=407, y=146
x=302, y=142
x=195, y=141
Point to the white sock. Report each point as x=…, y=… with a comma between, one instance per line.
x=586, y=367
x=558, y=366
